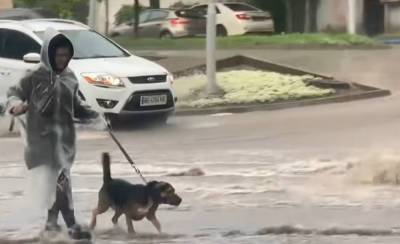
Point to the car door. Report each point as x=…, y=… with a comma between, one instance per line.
x=203, y=9
x=13, y=46
x=152, y=27
x=144, y=24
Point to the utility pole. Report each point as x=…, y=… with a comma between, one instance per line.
x=307, y=17
x=92, y=14
x=212, y=86
x=289, y=16
x=136, y=9
x=351, y=17
x=107, y=16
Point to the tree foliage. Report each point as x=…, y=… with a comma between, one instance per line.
x=126, y=13
x=68, y=9
x=154, y=4
x=277, y=8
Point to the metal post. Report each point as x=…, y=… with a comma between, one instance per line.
x=92, y=14
x=107, y=4
x=351, y=19
x=212, y=86
x=307, y=17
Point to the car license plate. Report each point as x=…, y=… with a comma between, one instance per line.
x=153, y=100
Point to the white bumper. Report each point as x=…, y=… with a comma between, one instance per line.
x=124, y=96
x=258, y=26
x=124, y=99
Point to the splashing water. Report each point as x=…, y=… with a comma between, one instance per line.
x=378, y=169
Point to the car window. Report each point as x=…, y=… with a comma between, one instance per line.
x=90, y=44
x=204, y=9
x=237, y=7
x=158, y=15
x=16, y=44
x=189, y=13
x=143, y=17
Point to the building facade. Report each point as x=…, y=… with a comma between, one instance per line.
x=363, y=16
x=6, y=4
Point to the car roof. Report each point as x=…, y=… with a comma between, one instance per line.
x=37, y=25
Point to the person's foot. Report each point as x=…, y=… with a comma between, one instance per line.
x=54, y=227
x=77, y=232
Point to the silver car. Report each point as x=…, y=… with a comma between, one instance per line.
x=165, y=23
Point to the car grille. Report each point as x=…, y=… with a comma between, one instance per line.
x=259, y=18
x=148, y=79
x=133, y=103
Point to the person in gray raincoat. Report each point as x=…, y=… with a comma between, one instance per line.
x=49, y=98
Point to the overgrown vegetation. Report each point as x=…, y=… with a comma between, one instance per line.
x=246, y=87
x=68, y=9
x=248, y=42
x=126, y=13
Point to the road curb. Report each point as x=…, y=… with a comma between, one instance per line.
x=284, y=105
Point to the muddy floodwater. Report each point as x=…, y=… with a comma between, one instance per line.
x=276, y=177
x=248, y=196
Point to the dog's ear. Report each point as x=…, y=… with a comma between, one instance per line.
x=152, y=184
x=158, y=185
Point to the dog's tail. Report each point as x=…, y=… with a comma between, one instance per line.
x=106, y=168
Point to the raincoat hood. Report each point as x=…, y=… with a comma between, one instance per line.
x=52, y=39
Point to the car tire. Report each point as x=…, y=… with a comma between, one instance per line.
x=221, y=31
x=166, y=35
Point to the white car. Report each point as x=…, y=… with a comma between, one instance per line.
x=239, y=19
x=111, y=80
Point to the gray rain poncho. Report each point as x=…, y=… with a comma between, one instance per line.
x=50, y=140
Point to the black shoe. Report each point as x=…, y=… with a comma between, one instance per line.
x=76, y=232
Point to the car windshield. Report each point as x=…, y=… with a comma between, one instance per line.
x=90, y=44
x=237, y=7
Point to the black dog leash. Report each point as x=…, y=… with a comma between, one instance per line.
x=131, y=162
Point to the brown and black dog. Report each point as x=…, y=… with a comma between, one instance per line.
x=134, y=201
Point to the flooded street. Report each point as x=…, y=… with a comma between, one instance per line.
x=290, y=176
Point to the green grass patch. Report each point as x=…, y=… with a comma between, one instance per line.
x=246, y=87
x=248, y=41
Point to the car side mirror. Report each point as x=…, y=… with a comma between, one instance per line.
x=32, y=58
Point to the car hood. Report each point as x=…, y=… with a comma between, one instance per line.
x=120, y=67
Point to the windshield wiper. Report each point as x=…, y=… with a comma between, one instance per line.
x=97, y=56
x=103, y=56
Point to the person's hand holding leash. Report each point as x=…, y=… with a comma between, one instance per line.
x=19, y=109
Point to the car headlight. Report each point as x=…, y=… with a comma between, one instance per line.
x=103, y=80
x=170, y=78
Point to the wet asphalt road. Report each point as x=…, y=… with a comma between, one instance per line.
x=262, y=169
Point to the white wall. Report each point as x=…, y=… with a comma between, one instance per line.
x=392, y=18
x=5, y=4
